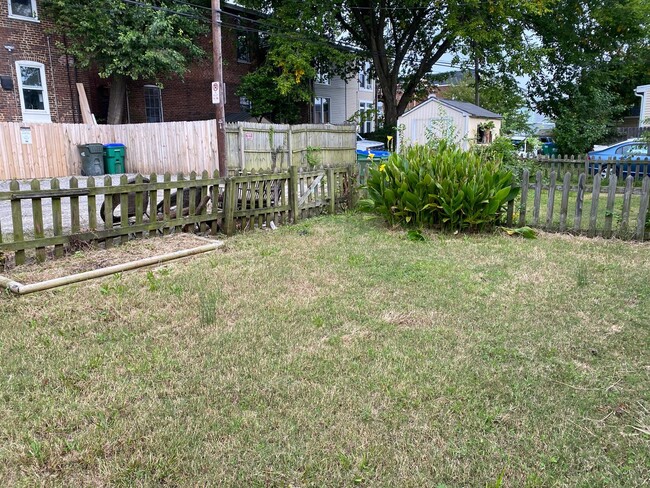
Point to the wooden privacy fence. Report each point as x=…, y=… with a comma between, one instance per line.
x=274, y=146
x=564, y=203
x=50, y=150
x=45, y=220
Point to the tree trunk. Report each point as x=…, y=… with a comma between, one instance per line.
x=116, y=100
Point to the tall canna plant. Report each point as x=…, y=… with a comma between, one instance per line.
x=439, y=187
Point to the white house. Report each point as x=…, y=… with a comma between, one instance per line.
x=337, y=100
x=643, y=91
x=438, y=117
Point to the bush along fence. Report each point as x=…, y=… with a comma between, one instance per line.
x=45, y=218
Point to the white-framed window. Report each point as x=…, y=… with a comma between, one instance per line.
x=365, y=81
x=153, y=103
x=322, y=78
x=243, y=47
x=32, y=87
x=245, y=104
x=321, y=110
x=366, y=116
x=23, y=9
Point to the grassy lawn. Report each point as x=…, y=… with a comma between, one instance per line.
x=337, y=353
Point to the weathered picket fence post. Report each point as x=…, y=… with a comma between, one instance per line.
x=229, y=202
x=331, y=190
x=293, y=192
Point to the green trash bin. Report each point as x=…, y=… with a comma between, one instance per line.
x=114, y=156
x=92, y=159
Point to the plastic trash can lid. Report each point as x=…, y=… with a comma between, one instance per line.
x=114, y=144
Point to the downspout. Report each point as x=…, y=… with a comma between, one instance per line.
x=466, y=142
x=641, y=110
x=56, y=101
x=67, y=68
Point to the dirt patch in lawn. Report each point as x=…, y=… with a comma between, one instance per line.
x=90, y=258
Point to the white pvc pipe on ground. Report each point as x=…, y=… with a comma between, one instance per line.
x=20, y=289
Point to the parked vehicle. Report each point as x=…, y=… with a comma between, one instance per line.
x=548, y=146
x=620, y=159
x=365, y=144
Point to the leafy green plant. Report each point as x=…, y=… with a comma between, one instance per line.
x=311, y=156
x=415, y=235
x=440, y=187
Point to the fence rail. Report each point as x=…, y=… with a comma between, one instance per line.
x=45, y=218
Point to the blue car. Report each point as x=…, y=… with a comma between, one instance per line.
x=622, y=158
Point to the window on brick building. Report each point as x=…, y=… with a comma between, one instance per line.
x=243, y=47
x=153, y=103
x=32, y=87
x=321, y=110
x=24, y=9
x=245, y=104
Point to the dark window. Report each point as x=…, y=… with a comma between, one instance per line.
x=243, y=47
x=245, y=104
x=321, y=110
x=153, y=104
x=23, y=8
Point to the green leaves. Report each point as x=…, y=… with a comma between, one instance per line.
x=442, y=187
x=135, y=41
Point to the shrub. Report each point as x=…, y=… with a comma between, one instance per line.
x=439, y=187
x=504, y=153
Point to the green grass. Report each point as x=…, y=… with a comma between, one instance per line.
x=338, y=353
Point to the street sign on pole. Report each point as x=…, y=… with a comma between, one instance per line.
x=215, y=92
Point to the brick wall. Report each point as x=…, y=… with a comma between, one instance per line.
x=30, y=43
x=190, y=97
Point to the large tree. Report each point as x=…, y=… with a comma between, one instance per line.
x=595, y=53
x=148, y=39
x=405, y=38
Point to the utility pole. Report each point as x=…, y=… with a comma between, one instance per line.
x=218, y=78
x=477, y=77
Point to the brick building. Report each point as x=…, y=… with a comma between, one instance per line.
x=37, y=81
x=189, y=97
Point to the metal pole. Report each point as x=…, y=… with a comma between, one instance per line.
x=218, y=77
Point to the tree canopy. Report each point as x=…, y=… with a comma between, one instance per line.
x=595, y=53
x=145, y=40
x=405, y=38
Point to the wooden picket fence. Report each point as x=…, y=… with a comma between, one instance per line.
x=44, y=219
x=560, y=203
x=591, y=168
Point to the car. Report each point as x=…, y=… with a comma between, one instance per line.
x=620, y=159
x=365, y=144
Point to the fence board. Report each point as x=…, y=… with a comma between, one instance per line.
x=580, y=198
x=627, y=200
x=551, y=201
x=593, y=214
x=643, y=209
x=609, y=210
x=564, y=205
